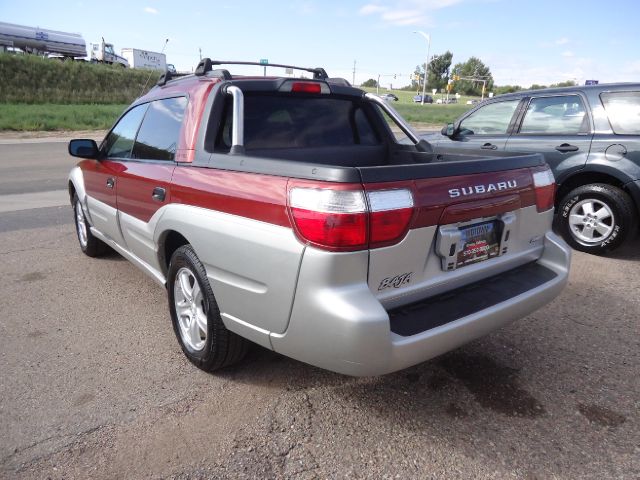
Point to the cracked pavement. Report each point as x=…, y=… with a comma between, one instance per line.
x=93, y=383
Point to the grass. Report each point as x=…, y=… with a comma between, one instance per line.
x=432, y=114
x=24, y=117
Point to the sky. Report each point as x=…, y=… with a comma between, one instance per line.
x=543, y=42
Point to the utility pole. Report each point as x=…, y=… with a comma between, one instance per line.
x=353, y=82
x=200, y=52
x=378, y=85
x=427, y=37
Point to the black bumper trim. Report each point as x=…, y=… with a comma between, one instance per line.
x=464, y=301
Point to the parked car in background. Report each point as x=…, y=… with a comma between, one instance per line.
x=427, y=99
x=589, y=135
x=389, y=97
x=474, y=101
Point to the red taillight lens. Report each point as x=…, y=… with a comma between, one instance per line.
x=544, y=184
x=391, y=212
x=339, y=220
x=306, y=87
x=330, y=219
x=333, y=230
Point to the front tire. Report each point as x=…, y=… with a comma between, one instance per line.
x=596, y=218
x=195, y=315
x=90, y=245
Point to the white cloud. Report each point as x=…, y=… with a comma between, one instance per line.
x=371, y=8
x=562, y=41
x=567, y=54
x=405, y=12
x=151, y=10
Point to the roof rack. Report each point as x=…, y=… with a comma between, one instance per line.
x=206, y=65
x=167, y=76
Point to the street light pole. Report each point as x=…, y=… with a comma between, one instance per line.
x=426, y=65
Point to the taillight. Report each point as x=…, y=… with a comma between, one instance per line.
x=306, y=87
x=544, y=184
x=341, y=220
x=294, y=86
x=391, y=212
x=333, y=219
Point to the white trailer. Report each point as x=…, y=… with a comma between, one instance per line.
x=145, y=59
x=42, y=41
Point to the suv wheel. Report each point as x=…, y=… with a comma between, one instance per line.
x=196, y=319
x=89, y=244
x=596, y=218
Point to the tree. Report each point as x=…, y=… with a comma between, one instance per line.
x=438, y=74
x=568, y=83
x=506, y=89
x=472, y=68
x=370, y=83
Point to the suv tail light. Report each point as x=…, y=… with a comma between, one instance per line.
x=344, y=220
x=544, y=184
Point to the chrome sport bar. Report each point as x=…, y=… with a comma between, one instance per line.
x=237, y=125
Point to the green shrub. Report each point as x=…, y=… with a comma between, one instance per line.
x=32, y=79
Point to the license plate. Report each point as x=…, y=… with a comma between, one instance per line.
x=480, y=242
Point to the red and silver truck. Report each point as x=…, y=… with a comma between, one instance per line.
x=285, y=212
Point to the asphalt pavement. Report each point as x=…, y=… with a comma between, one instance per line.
x=94, y=385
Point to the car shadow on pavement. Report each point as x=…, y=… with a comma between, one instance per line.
x=629, y=251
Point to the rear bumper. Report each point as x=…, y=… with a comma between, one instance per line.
x=341, y=326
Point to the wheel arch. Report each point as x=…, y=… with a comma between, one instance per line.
x=601, y=174
x=76, y=184
x=168, y=242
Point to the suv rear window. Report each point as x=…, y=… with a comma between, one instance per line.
x=623, y=110
x=285, y=121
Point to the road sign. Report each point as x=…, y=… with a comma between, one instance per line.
x=591, y=82
x=264, y=61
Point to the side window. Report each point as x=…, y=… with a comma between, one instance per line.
x=158, y=135
x=119, y=142
x=562, y=115
x=492, y=119
x=623, y=110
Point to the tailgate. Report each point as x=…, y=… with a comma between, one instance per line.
x=464, y=228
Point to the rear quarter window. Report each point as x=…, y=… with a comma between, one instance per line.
x=623, y=110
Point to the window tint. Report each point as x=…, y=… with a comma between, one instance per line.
x=280, y=121
x=623, y=109
x=556, y=116
x=120, y=140
x=492, y=119
x=158, y=135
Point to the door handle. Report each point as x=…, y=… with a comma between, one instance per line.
x=110, y=182
x=159, y=194
x=489, y=146
x=565, y=147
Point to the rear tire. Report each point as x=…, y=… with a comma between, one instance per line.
x=90, y=245
x=596, y=218
x=195, y=315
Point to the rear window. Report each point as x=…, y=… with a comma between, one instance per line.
x=623, y=110
x=280, y=121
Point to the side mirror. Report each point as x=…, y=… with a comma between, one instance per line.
x=83, y=148
x=448, y=130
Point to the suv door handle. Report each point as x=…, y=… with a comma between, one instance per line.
x=489, y=146
x=565, y=147
x=110, y=182
x=159, y=194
